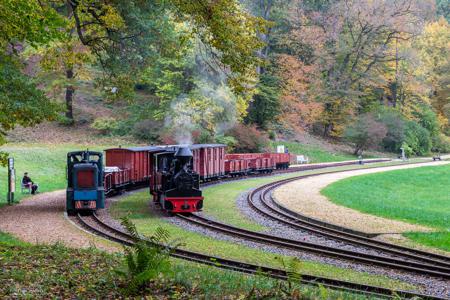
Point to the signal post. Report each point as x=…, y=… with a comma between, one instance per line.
x=11, y=181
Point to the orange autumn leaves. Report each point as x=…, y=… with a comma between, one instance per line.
x=299, y=107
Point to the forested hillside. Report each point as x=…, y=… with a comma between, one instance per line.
x=374, y=74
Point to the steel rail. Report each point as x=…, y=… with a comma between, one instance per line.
x=333, y=233
x=255, y=269
x=396, y=263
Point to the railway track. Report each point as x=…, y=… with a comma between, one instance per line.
x=95, y=225
x=398, y=263
x=262, y=201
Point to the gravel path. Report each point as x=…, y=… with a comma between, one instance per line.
x=303, y=196
x=40, y=219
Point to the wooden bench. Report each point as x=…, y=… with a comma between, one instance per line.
x=437, y=157
x=301, y=159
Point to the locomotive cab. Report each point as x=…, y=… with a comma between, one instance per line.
x=85, y=191
x=178, y=186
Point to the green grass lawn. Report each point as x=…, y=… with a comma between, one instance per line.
x=136, y=206
x=315, y=153
x=45, y=163
x=419, y=196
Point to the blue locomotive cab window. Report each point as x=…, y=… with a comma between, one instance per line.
x=86, y=178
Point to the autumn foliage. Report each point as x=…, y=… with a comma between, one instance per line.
x=248, y=138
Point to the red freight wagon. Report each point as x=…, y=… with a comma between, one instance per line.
x=115, y=178
x=282, y=160
x=242, y=156
x=209, y=160
x=134, y=159
x=236, y=166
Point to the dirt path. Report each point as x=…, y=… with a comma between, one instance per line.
x=303, y=196
x=40, y=219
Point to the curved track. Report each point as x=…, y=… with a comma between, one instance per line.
x=414, y=266
x=262, y=201
x=95, y=225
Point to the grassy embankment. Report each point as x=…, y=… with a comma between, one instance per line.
x=419, y=196
x=221, y=203
x=54, y=271
x=315, y=153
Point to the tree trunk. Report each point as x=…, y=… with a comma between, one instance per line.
x=70, y=90
x=327, y=129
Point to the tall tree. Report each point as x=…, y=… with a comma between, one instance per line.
x=434, y=53
x=21, y=102
x=129, y=33
x=356, y=38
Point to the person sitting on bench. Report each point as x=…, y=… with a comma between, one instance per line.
x=28, y=183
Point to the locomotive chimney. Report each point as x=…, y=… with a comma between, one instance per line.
x=184, y=154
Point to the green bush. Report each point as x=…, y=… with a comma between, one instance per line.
x=395, y=125
x=418, y=138
x=230, y=141
x=105, y=125
x=365, y=132
x=146, y=259
x=427, y=118
x=408, y=150
x=202, y=137
x=147, y=130
x=65, y=121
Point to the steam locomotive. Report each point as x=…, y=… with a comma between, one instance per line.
x=172, y=172
x=177, y=186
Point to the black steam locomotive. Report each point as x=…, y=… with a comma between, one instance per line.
x=177, y=186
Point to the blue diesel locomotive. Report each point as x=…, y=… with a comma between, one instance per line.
x=85, y=190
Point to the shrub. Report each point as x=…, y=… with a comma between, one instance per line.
x=230, y=141
x=65, y=121
x=202, y=137
x=428, y=120
x=248, y=138
x=418, y=138
x=408, y=150
x=148, y=130
x=395, y=125
x=105, y=125
x=365, y=132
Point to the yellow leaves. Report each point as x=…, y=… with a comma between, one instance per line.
x=112, y=18
x=434, y=47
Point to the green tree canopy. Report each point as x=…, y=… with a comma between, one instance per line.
x=23, y=22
